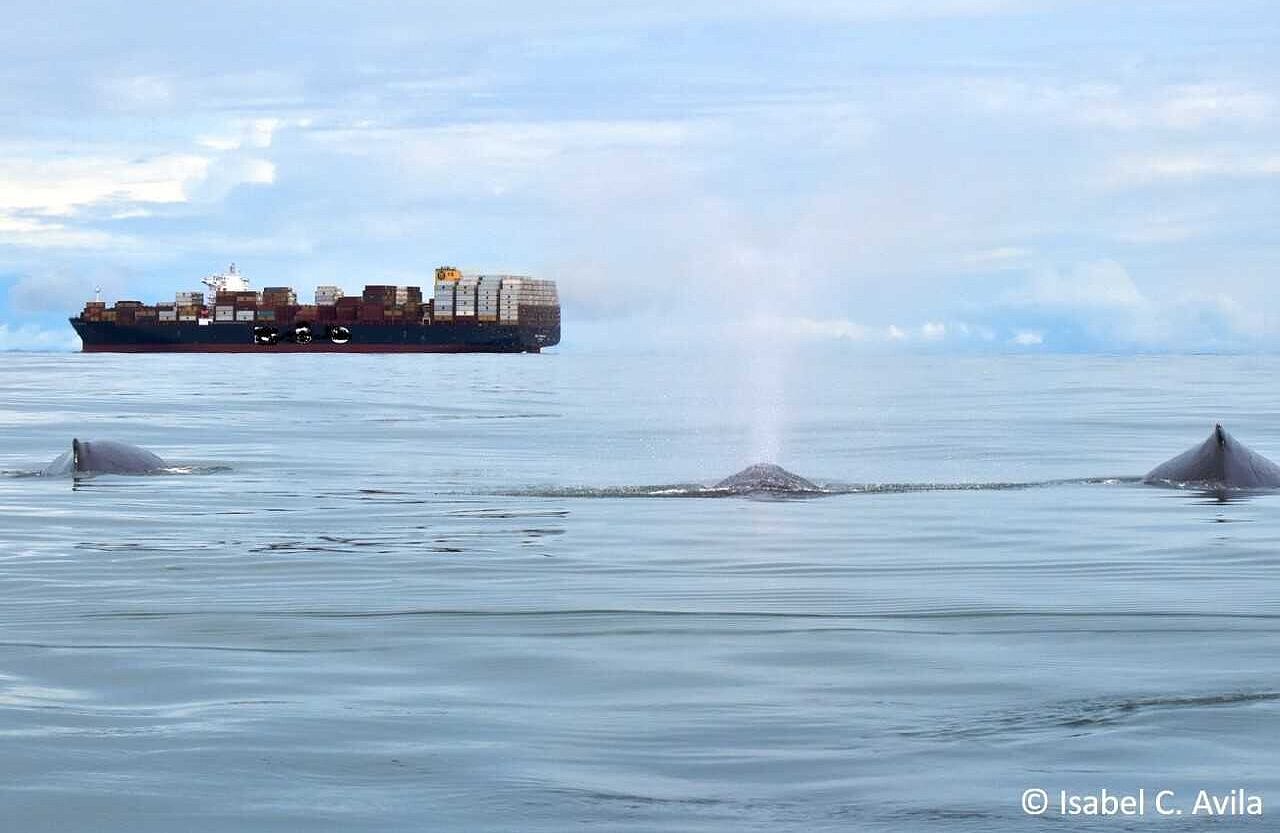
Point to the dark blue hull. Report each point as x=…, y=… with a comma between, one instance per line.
x=360, y=337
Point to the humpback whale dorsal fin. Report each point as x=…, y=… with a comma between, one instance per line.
x=1220, y=434
x=75, y=455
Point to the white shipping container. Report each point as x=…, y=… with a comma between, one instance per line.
x=224, y=316
x=327, y=296
x=245, y=315
x=168, y=315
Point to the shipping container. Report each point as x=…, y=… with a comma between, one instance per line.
x=233, y=298
x=380, y=294
x=246, y=314
x=279, y=296
x=328, y=295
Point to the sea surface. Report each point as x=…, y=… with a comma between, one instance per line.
x=417, y=593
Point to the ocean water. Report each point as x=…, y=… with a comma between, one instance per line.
x=418, y=593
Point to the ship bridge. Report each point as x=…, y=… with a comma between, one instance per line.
x=229, y=281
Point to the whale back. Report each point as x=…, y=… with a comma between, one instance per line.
x=104, y=457
x=766, y=477
x=1220, y=460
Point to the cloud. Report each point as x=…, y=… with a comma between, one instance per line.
x=33, y=233
x=1098, y=305
x=55, y=291
x=256, y=133
x=804, y=329
x=1195, y=165
x=136, y=92
x=1116, y=106
x=1102, y=283
x=29, y=337
x=505, y=159
x=61, y=186
x=57, y=197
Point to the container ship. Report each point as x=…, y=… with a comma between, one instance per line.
x=467, y=314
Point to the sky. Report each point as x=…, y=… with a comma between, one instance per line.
x=938, y=175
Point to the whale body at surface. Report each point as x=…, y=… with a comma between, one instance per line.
x=1219, y=461
x=104, y=457
x=767, y=478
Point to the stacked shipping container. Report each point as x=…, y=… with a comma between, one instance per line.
x=445, y=294
x=466, y=299
x=327, y=296
x=487, y=292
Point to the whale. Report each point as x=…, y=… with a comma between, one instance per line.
x=103, y=457
x=1221, y=461
x=767, y=478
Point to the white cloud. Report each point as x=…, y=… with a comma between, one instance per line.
x=1098, y=304
x=1118, y=107
x=59, y=292
x=258, y=172
x=51, y=198
x=501, y=158
x=999, y=257
x=249, y=133
x=1196, y=105
x=1194, y=165
x=136, y=92
x=31, y=337
x=45, y=234
x=1102, y=283
x=61, y=186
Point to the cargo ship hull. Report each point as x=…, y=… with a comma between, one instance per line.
x=359, y=337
